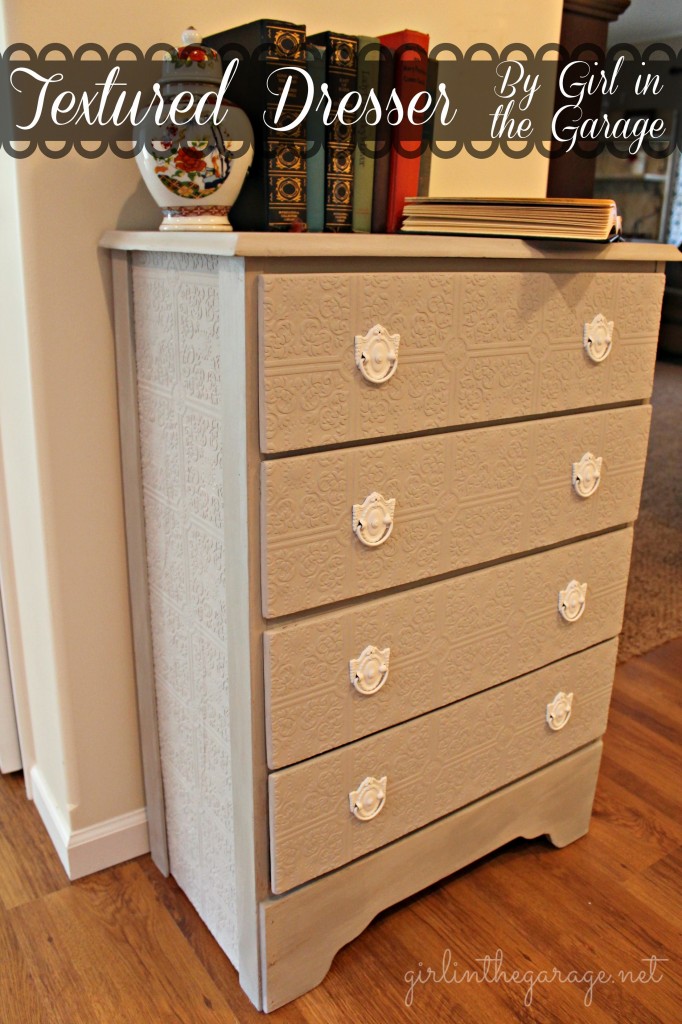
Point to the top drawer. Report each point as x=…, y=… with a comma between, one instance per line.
x=473, y=347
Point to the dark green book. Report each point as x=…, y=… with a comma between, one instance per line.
x=274, y=194
x=317, y=61
x=341, y=77
x=365, y=135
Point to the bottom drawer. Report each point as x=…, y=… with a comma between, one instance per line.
x=423, y=769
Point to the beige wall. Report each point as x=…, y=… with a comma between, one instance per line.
x=57, y=384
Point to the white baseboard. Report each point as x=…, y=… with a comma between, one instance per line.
x=85, y=850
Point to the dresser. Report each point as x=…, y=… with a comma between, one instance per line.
x=379, y=499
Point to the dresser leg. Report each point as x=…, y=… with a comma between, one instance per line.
x=302, y=930
x=566, y=832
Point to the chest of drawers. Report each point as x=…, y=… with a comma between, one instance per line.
x=379, y=505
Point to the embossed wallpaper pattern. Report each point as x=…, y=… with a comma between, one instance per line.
x=474, y=347
x=178, y=362
x=447, y=640
x=433, y=764
x=462, y=498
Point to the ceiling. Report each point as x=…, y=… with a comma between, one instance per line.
x=648, y=21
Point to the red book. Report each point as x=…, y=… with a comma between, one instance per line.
x=410, y=71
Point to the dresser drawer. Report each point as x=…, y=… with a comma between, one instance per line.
x=335, y=677
x=461, y=499
x=473, y=347
x=431, y=766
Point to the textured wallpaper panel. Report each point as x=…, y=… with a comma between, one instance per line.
x=178, y=362
x=432, y=765
x=473, y=347
x=446, y=640
x=462, y=498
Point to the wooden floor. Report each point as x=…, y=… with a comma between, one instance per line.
x=125, y=946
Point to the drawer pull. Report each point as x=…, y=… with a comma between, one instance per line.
x=369, y=798
x=373, y=519
x=559, y=710
x=376, y=354
x=597, y=338
x=369, y=672
x=586, y=475
x=572, y=601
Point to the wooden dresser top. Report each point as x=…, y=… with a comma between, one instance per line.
x=317, y=245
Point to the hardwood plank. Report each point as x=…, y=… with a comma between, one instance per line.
x=425, y=934
x=656, y=790
x=105, y=950
x=206, y=950
x=623, y=820
x=29, y=865
x=667, y=658
x=653, y=708
x=651, y=695
x=659, y=885
x=20, y=1000
x=603, y=927
x=525, y=941
x=337, y=1000
x=636, y=750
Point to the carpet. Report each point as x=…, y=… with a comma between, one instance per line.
x=653, y=606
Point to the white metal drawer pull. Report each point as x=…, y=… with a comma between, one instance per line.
x=598, y=337
x=376, y=354
x=373, y=519
x=369, y=672
x=572, y=601
x=559, y=711
x=368, y=799
x=586, y=475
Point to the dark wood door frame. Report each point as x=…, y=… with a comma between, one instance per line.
x=583, y=21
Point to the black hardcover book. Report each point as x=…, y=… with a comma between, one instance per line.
x=383, y=144
x=342, y=70
x=274, y=194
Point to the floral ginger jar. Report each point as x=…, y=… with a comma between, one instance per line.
x=195, y=168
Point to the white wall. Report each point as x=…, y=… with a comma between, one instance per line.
x=57, y=384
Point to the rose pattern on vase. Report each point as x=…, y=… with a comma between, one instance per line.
x=192, y=169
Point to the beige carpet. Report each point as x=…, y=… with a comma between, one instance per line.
x=653, y=608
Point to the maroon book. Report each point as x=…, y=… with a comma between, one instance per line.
x=409, y=78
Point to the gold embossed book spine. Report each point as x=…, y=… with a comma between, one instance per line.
x=274, y=196
x=285, y=151
x=342, y=69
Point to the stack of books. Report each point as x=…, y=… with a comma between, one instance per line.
x=325, y=176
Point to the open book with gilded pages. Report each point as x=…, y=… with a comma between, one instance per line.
x=587, y=220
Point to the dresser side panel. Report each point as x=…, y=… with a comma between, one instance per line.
x=136, y=552
x=177, y=328
x=244, y=621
